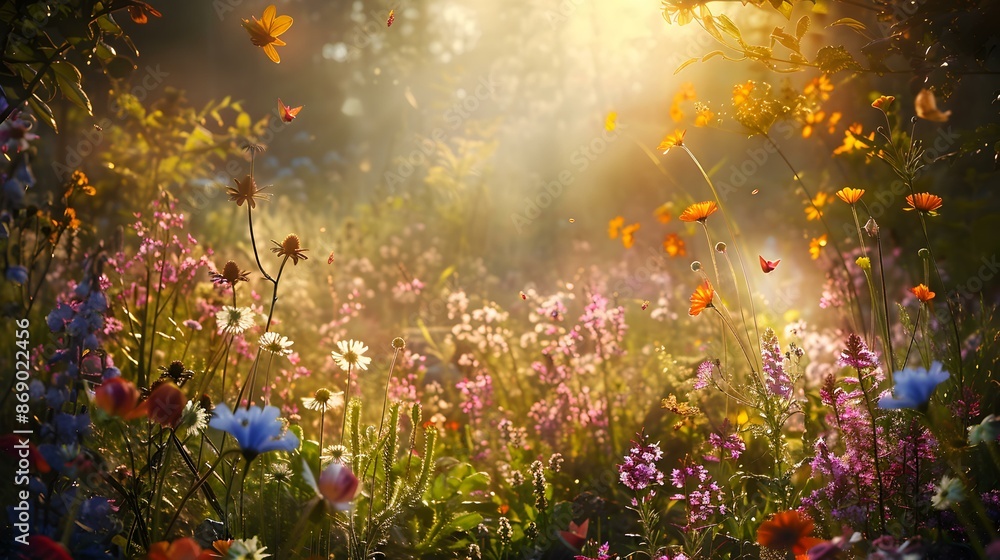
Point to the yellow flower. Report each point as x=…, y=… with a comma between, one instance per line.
x=831, y=123
x=672, y=140
x=611, y=121
x=819, y=87
x=849, y=195
x=864, y=263
x=812, y=119
x=852, y=140
x=883, y=102
x=813, y=211
x=703, y=115
x=290, y=248
x=816, y=245
x=264, y=32
x=628, y=234
x=615, y=227
x=741, y=92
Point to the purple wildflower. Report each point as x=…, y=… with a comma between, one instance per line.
x=777, y=383
x=638, y=471
x=857, y=355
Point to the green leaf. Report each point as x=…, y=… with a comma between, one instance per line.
x=68, y=79
x=685, y=64
x=42, y=111
x=119, y=68
x=462, y=523
x=107, y=24
x=730, y=28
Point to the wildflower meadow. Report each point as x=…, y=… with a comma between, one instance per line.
x=494, y=280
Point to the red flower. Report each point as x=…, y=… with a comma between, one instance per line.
x=166, y=404
x=119, y=397
x=788, y=530
x=576, y=536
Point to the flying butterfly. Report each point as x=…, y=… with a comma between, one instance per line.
x=392, y=18
x=768, y=266
x=287, y=113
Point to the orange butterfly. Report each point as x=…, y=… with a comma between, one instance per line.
x=768, y=266
x=287, y=113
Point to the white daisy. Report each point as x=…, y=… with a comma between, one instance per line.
x=194, y=419
x=276, y=344
x=324, y=400
x=234, y=320
x=948, y=493
x=336, y=454
x=247, y=549
x=351, y=355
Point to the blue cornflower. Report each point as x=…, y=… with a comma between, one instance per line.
x=257, y=430
x=913, y=387
x=17, y=274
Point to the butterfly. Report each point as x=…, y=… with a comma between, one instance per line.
x=287, y=113
x=392, y=18
x=768, y=266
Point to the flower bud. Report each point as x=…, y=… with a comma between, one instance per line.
x=924, y=253
x=695, y=266
x=720, y=247
x=339, y=486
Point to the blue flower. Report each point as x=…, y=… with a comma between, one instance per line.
x=914, y=387
x=257, y=430
x=17, y=274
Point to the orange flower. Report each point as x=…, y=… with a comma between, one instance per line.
x=788, y=530
x=849, y=195
x=923, y=293
x=674, y=245
x=119, y=397
x=699, y=211
x=812, y=119
x=813, y=211
x=663, y=212
x=926, y=107
x=184, y=548
x=628, y=235
x=264, y=32
x=701, y=299
x=816, y=245
x=615, y=227
x=883, y=102
x=703, y=115
x=166, y=404
x=672, y=140
x=820, y=86
x=925, y=202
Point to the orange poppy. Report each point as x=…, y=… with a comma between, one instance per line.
x=925, y=202
x=672, y=140
x=923, y=293
x=701, y=298
x=184, y=548
x=849, y=195
x=788, y=530
x=699, y=211
x=264, y=32
x=674, y=245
